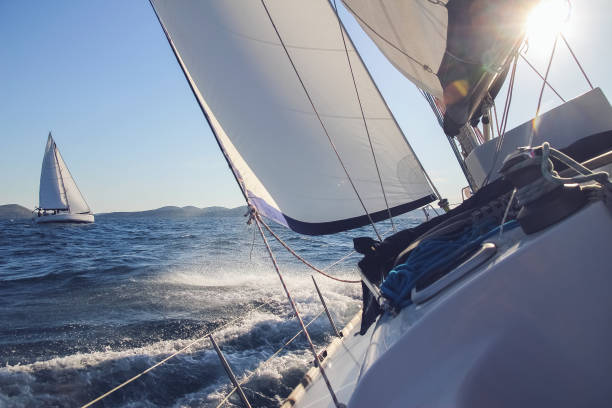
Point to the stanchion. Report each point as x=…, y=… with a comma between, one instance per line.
x=229, y=372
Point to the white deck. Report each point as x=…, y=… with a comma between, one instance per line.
x=529, y=328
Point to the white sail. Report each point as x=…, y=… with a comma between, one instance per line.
x=411, y=34
x=75, y=199
x=257, y=98
x=51, y=193
x=58, y=189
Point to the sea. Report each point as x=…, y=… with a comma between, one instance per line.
x=83, y=308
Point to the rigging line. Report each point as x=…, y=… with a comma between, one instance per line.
x=425, y=67
x=258, y=221
x=292, y=252
x=496, y=120
x=268, y=359
x=320, y=120
x=504, y=120
x=123, y=384
x=534, y=122
x=541, y=77
x=365, y=124
x=349, y=254
x=252, y=246
x=576, y=59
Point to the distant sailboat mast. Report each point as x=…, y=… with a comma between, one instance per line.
x=61, y=178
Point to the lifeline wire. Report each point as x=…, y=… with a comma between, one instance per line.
x=277, y=352
x=297, y=313
x=123, y=384
x=365, y=123
x=320, y=120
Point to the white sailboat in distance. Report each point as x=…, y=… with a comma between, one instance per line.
x=60, y=200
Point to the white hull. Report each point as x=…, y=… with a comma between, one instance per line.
x=530, y=327
x=64, y=217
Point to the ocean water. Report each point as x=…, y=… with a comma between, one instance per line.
x=85, y=307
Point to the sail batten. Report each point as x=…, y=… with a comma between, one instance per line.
x=268, y=129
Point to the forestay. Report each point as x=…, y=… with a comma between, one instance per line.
x=58, y=189
x=256, y=97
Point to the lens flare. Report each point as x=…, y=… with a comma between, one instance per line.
x=547, y=19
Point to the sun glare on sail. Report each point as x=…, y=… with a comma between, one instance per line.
x=547, y=19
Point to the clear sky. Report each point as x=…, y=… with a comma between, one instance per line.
x=100, y=75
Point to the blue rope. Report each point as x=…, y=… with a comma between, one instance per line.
x=435, y=254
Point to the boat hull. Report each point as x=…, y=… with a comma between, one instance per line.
x=65, y=218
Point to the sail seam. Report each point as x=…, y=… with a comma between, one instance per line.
x=320, y=120
x=425, y=67
x=365, y=123
x=392, y=117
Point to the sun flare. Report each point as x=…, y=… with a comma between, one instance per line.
x=547, y=19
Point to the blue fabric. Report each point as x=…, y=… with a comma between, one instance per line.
x=433, y=254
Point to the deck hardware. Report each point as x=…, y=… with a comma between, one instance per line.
x=229, y=372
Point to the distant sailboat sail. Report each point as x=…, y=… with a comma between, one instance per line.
x=52, y=195
x=275, y=84
x=58, y=190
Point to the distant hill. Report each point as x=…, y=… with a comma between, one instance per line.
x=14, y=212
x=189, y=211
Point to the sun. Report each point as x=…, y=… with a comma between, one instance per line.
x=546, y=20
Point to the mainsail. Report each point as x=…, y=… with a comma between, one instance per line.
x=58, y=191
x=273, y=79
x=456, y=50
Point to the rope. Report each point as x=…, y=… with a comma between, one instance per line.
x=425, y=67
x=292, y=252
x=258, y=221
x=365, y=124
x=541, y=77
x=577, y=62
x=438, y=252
x=552, y=54
x=123, y=384
x=586, y=174
x=504, y=120
x=320, y=120
x=277, y=352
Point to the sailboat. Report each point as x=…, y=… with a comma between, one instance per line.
x=60, y=200
x=502, y=301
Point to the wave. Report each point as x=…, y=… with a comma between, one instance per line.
x=194, y=378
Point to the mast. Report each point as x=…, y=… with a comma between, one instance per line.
x=59, y=170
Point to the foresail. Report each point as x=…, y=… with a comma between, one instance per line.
x=273, y=79
x=51, y=193
x=75, y=199
x=411, y=34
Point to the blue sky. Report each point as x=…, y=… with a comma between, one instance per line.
x=101, y=76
